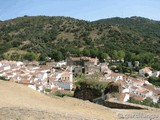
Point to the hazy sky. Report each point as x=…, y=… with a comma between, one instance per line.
x=81, y=9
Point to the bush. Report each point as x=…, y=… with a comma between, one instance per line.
x=47, y=90
x=91, y=81
x=146, y=102
x=16, y=43
x=60, y=94
x=3, y=78
x=154, y=80
x=30, y=56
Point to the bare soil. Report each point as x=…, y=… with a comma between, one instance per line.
x=18, y=102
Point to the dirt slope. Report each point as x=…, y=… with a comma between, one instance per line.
x=18, y=102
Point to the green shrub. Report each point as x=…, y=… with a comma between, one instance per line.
x=30, y=56
x=47, y=90
x=60, y=94
x=3, y=78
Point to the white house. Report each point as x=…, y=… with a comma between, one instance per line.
x=138, y=83
x=156, y=74
x=7, y=68
x=143, y=92
x=126, y=90
x=146, y=70
x=0, y=64
x=67, y=76
x=19, y=63
x=155, y=99
x=113, y=76
x=40, y=88
x=132, y=89
x=63, y=85
x=126, y=98
x=32, y=87
x=61, y=63
x=41, y=76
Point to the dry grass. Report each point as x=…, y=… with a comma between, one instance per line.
x=21, y=103
x=11, y=51
x=63, y=35
x=18, y=102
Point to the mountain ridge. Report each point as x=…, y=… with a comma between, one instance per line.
x=52, y=36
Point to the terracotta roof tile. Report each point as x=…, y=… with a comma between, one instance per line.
x=113, y=75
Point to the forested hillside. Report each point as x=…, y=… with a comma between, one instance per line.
x=38, y=37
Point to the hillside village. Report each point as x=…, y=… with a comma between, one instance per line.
x=79, y=60
x=59, y=76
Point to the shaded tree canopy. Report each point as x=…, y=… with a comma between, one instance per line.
x=133, y=38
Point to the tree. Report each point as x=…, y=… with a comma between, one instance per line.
x=86, y=52
x=132, y=100
x=16, y=43
x=30, y=56
x=15, y=56
x=156, y=65
x=57, y=55
x=130, y=56
x=89, y=87
x=121, y=54
x=94, y=52
x=154, y=80
x=42, y=57
x=148, y=102
x=114, y=54
x=103, y=56
x=2, y=57
x=146, y=74
x=4, y=47
x=120, y=68
x=146, y=57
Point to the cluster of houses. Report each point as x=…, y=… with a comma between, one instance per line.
x=60, y=76
x=37, y=77
x=137, y=88
x=53, y=75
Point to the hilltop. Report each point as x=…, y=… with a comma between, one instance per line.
x=57, y=37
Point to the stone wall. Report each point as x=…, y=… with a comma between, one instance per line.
x=121, y=105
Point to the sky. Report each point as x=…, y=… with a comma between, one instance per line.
x=89, y=10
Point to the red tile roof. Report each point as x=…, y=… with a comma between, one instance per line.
x=139, y=98
x=113, y=75
x=64, y=74
x=147, y=69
